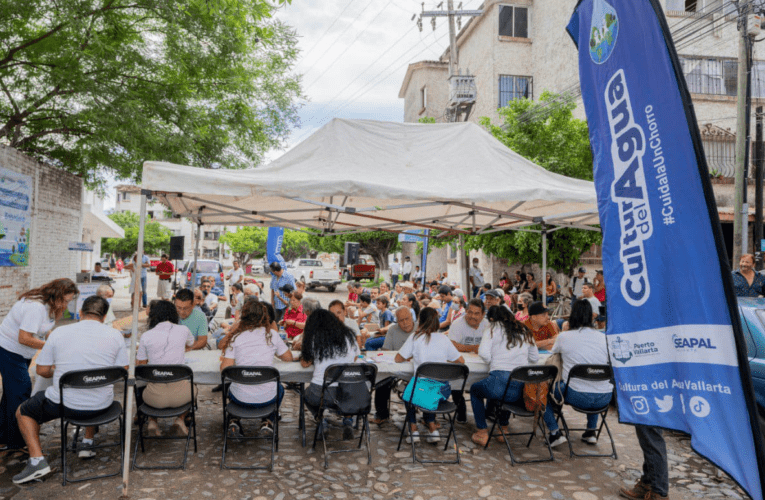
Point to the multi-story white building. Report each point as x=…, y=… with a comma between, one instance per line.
x=129, y=200
x=520, y=48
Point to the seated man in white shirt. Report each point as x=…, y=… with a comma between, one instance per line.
x=211, y=300
x=88, y=344
x=588, y=295
x=466, y=333
x=98, y=272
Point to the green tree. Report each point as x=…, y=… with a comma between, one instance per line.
x=546, y=133
x=102, y=85
x=246, y=243
x=377, y=244
x=156, y=238
x=295, y=244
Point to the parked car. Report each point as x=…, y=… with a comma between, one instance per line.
x=752, y=312
x=154, y=261
x=363, y=270
x=204, y=268
x=313, y=273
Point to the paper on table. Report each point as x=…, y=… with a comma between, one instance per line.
x=382, y=357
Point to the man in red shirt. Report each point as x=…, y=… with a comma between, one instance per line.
x=165, y=270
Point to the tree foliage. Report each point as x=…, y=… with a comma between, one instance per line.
x=156, y=238
x=295, y=244
x=246, y=243
x=377, y=244
x=95, y=85
x=546, y=133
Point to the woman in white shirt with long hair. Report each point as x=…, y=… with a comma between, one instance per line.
x=506, y=345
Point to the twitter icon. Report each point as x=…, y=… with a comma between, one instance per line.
x=664, y=404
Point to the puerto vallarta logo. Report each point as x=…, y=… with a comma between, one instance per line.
x=620, y=350
x=603, y=31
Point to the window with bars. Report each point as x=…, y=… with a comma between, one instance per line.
x=720, y=76
x=212, y=235
x=211, y=253
x=513, y=21
x=514, y=87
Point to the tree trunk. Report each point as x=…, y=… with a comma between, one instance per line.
x=243, y=258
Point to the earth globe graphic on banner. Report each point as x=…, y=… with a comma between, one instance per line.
x=603, y=31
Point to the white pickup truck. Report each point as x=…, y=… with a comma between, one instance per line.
x=313, y=273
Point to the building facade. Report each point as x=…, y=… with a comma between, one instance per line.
x=520, y=48
x=129, y=200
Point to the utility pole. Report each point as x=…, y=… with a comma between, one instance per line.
x=740, y=211
x=759, y=152
x=462, y=89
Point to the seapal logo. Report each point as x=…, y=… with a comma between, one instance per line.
x=245, y=373
x=91, y=380
x=352, y=374
x=158, y=373
x=629, y=191
x=604, y=30
x=692, y=344
x=535, y=372
x=596, y=371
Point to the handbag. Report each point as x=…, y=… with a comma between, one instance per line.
x=428, y=394
x=557, y=361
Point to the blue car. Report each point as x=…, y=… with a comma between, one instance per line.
x=752, y=311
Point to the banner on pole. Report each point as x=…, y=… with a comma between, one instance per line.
x=274, y=246
x=674, y=333
x=411, y=236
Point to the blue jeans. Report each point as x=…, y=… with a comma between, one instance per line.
x=374, y=344
x=476, y=289
x=550, y=298
x=411, y=417
x=655, y=467
x=17, y=387
x=493, y=387
x=583, y=400
x=144, y=297
x=277, y=399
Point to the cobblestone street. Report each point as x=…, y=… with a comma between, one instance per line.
x=299, y=473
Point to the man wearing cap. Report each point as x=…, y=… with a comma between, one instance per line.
x=541, y=327
x=476, y=277
x=279, y=299
x=395, y=269
x=407, y=269
x=575, y=286
x=493, y=297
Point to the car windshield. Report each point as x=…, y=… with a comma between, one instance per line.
x=206, y=267
x=310, y=263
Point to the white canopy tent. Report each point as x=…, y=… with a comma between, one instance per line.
x=360, y=175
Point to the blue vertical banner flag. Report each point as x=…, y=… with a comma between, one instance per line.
x=274, y=246
x=674, y=334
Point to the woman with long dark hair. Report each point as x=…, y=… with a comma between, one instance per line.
x=22, y=333
x=428, y=345
x=550, y=287
x=165, y=343
x=410, y=300
x=326, y=341
x=253, y=343
x=506, y=345
x=580, y=345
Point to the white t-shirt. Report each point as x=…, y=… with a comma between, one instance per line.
x=211, y=300
x=110, y=317
x=493, y=350
x=395, y=269
x=462, y=333
x=235, y=275
x=239, y=301
x=374, y=317
x=28, y=315
x=353, y=326
x=477, y=276
x=250, y=348
x=100, y=274
x=81, y=346
x=583, y=346
x=439, y=350
x=595, y=303
x=407, y=267
x=319, y=367
x=165, y=344
x=576, y=285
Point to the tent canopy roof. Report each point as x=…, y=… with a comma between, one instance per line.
x=361, y=175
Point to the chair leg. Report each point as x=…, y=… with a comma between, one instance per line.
x=414, y=448
x=491, y=432
x=194, y=425
x=273, y=442
x=63, y=451
x=366, y=431
x=225, y=441
x=543, y=428
x=567, y=433
x=401, y=437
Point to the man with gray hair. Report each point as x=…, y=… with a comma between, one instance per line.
x=106, y=292
x=310, y=305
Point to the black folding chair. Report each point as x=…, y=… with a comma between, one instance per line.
x=589, y=373
x=92, y=379
x=441, y=372
x=249, y=375
x=531, y=374
x=165, y=374
x=351, y=397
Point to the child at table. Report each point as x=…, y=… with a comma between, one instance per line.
x=253, y=343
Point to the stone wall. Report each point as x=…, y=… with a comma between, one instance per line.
x=56, y=220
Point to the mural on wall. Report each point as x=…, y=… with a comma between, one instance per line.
x=15, y=218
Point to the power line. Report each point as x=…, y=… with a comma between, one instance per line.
x=327, y=30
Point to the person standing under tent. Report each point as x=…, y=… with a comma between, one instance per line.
x=234, y=276
x=395, y=270
x=134, y=278
x=22, y=333
x=476, y=277
x=279, y=298
x=407, y=269
x=165, y=270
x=576, y=283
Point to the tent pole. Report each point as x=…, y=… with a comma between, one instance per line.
x=544, y=265
x=196, y=256
x=461, y=262
x=133, y=338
